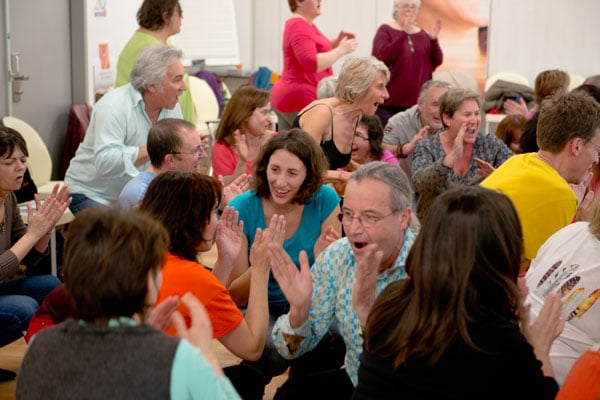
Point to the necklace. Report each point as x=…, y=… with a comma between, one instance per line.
x=410, y=43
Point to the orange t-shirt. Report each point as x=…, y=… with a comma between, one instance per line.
x=583, y=380
x=181, y=276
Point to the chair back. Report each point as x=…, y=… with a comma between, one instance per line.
x=575, y=80
x=205, y=102
x=39, y=161
x=507, y=76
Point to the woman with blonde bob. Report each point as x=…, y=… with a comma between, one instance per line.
x=457, y=328
x=332, y=121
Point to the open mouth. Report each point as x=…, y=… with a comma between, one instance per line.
x=360, y=245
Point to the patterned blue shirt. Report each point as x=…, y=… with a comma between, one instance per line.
x=333, y=276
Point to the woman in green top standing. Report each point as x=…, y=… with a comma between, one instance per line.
x=158, y=20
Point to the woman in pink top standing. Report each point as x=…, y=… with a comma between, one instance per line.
x=307, y=58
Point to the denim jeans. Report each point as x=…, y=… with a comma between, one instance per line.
x=19, y=300
x=80, y=202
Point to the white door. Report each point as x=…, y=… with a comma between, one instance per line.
x=40, y=33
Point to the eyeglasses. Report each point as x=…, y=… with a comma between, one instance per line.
x=366, y=221
x=198, y=152
x=365, y=138
x=597, y=146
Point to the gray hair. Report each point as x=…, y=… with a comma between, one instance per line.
x=432, y=83
x=357, y=76
x=398, y=3
x=150, y=67
x=401, y=191
x=326, y=87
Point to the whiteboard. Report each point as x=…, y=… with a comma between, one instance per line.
x=208, y=32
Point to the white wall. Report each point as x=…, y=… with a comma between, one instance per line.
x=526, y=36
x=532, y=36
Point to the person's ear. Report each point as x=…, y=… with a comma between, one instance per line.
x=169, y=161
x=576, y=145
x=446, y=119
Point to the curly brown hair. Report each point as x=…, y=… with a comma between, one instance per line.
x=150, y=13
x=303, y=146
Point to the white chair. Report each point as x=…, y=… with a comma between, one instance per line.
x=507, y=76
x=205, y=102
x=575, y=80
x=39, y=161
x=206, y=107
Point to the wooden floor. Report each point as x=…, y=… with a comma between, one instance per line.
x=11, y=355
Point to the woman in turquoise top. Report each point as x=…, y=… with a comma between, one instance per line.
x=158, y=20
x=288, y=181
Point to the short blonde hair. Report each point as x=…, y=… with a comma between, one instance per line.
x=357, y=76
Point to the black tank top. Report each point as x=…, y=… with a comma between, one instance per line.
x=336, y=158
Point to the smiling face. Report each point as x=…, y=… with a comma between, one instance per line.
x=361, y=147
x=259, y=121
x=209, y=232
x=467, y=114
x=12, y=170
x=191, y=152
x=588, y=153
x=430, y=108
x=375, y=96
x=388, y=232
x=169, y=90
x=285, y=174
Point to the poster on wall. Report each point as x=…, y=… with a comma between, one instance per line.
x=109, y=24
x=463, y=37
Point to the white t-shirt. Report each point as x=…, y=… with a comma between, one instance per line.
x=569, y=263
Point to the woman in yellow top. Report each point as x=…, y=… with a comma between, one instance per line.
x=158, y=20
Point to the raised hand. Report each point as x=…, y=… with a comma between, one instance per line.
x=41, y=221
x=240, y=146
x=275, y=234
x=327, y=237
x=347, y=45
x=485, y=168
x=434, y=29
x=229, y=234
x=295, y=284
x=161, y=316
x=409, y=147
x=365, y=285
x=512, y=107
x=457, y=148
x=545, y=329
